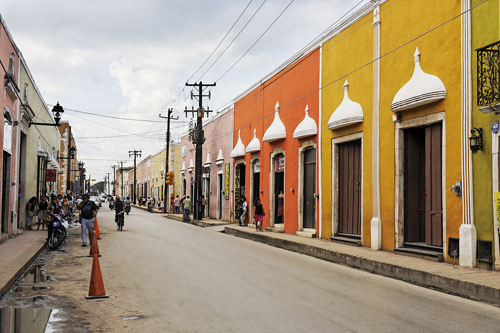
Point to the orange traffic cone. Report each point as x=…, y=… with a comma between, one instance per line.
x=96, y=288
x=96, y=228
x=94, y=248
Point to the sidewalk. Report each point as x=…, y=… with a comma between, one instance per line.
x=17, y=254
x=477, y=284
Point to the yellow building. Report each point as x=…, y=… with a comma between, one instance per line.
x=158, y=174
x=391, y=128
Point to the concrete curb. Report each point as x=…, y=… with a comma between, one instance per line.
x=27, y=259
x=466, y=289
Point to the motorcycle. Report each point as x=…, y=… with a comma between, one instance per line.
x=120, y=221
x=127, y=209
x=111, y=205
x=56, y=232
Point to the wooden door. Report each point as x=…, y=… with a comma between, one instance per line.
x=414, y=185
x=433, y=185
x=309, y=209
x=349, y=192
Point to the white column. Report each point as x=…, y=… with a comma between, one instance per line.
x=467, y=231
x=376, y=223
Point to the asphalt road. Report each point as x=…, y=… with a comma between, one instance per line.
x=181, y=278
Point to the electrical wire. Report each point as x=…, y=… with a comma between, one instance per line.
x=220, y=55
x=211, y=54
x=237, y=61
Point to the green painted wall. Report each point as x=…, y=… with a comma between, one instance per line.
x=485, y=30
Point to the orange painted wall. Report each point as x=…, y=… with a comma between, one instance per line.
x=293, y=88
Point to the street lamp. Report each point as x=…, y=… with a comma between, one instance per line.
x=57, y=110
x=476, y=141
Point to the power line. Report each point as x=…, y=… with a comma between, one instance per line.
x=211, y=54
x=220, y=55
x=255, y=41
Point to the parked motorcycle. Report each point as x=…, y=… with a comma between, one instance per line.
x=127, y=209
x=56, y=231
x=120, y=221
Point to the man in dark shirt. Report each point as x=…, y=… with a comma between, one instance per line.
x=118, y=208
x=89, y=211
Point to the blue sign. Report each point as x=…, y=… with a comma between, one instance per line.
x=495, y=127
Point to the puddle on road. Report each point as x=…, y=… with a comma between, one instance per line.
x=32, y=318
x=131, y=318
x=26, y=289
x=35, y=275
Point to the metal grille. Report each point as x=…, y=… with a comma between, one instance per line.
x=453, y=247
x=484, y=252
x=488, y=90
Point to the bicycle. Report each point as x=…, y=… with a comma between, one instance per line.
x=119, y=223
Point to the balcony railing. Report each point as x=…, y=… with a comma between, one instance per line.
x=488, y=89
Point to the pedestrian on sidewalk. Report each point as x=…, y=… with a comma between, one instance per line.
x=172, y=205
x=31, y=209
x=244, y=208
x=42, y=210
x=186, y=205
x=177, y=203
x=182, y=204
x=89, y=212
x=203, y=204
x=259, y=215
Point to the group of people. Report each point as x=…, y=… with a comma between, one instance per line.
x=185, y=203
x=258, y=213
x=151, y=203
x=37, y=210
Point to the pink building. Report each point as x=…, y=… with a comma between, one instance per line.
x=217, y=165
x=9, y=56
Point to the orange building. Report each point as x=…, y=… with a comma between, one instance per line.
x=275, y=158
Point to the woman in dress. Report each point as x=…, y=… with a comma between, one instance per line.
x=259, y=214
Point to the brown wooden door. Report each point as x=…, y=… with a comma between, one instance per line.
x=414, y=185
x=349, y=180
x=433, y=185
x=309, y=220
x=423, y=185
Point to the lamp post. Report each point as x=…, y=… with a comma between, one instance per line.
x=57, y=110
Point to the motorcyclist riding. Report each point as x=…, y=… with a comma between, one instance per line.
x=118, y=207
x=127, y=202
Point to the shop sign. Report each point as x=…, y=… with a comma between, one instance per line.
x=256, y=167
x=50, y=175
x=279, y=164
x=226, y=181
x=7, y=136
x=236, y=193
x=495, y=126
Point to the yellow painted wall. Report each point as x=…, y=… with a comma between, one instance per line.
x=344, y=54
x=485, y=30
x=403, y=21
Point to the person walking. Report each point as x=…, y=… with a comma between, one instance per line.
x=42, y=211
x=259, y=215
x=31, y=209
x=244, y=208
x=186, y=205
x=182, y=204
x=89, y=211
x=203, y=204
x=177, y=203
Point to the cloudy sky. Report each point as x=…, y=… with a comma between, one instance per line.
x=131, y=59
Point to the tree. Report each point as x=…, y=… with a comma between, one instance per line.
x=99, y=186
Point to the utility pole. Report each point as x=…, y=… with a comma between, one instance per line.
x=121, y=171
x=135, y=153
x=199, y=139
x=165, y=196
x=69, y=161
x=114, y=173
x=108, y=173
